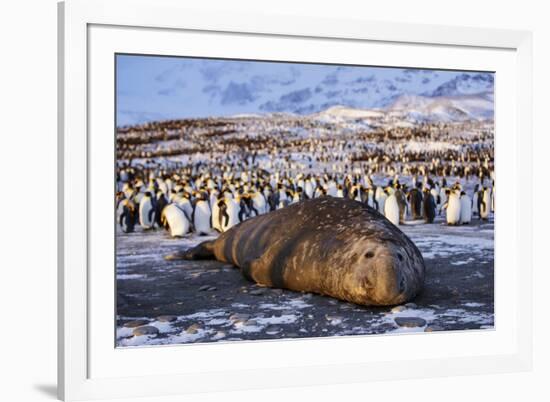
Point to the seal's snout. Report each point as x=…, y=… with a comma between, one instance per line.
x=390, y=284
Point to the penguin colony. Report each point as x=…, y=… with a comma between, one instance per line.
x=207, y=175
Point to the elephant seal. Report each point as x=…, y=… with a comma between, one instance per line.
x=331, y=246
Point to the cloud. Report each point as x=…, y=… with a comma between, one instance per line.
x=298, y=96
x=167, y=91
x=330, y=79
x=237, y=93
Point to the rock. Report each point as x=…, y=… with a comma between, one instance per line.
x=204, y=287
x=135, y=323
x=212, y=288
x=292, y=335
x=193, y=329
x=220, y=334
x=273, y=330
x=411, y=305
x=145, y=330
x=250, y=323
x=277, y=291
x=433, y=328
x=167, y=318
x=398, y=309
x=334, y=319
x=410, y=322
x=239, y=316
x=257, y=292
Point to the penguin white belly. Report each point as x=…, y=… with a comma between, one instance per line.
x=309, y=189
x=146, y=213
x=465, y=209
x=177, y=221
x=391, y=209
x=185, y=204
x=381, y=200
x=332, y=189
x=453, y=210
x=442, y=197
x=259, y=203
x=202, y=217
x=233, y=212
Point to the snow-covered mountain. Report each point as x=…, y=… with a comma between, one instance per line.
x=465, y=84
x=444, y=108
x=156, y=88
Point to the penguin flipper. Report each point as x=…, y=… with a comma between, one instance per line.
x=151, y=216
x=203, y=251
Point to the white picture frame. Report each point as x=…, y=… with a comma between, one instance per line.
x=90, y=369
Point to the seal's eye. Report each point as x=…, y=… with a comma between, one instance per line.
x=369, y=254
x=400, y=256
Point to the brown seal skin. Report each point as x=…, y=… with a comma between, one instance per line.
x=330, y=246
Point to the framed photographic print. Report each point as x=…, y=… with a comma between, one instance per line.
x=246, y=196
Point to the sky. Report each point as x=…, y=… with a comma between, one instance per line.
x=150, y=88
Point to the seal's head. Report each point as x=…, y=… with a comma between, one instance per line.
x=384, y=273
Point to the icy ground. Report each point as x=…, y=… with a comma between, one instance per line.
x=162, y=302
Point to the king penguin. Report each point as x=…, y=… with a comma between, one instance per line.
x=202, y=215
x=429, y=207
x=465, y=208
x=391, y=209
x=452, y=207
x=147, y=211
x=126, y=215
x=484, y=203
x=173, y=219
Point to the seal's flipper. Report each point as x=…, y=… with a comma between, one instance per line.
x=203, y=251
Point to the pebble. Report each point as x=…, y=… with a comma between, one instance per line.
x=212, y=288
x=433, y=328
x=410, y=322
x=277, y=291
x=193, y=329
x=398, y=309
x=334, y=319
x=146, y=330
x=204, y=287
x=411, y=305
x=257, y=292
x=167, y=318
x=135, y=323
x=239, y=316
x=292, y=335
x=251, y=323
x=273, y=329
